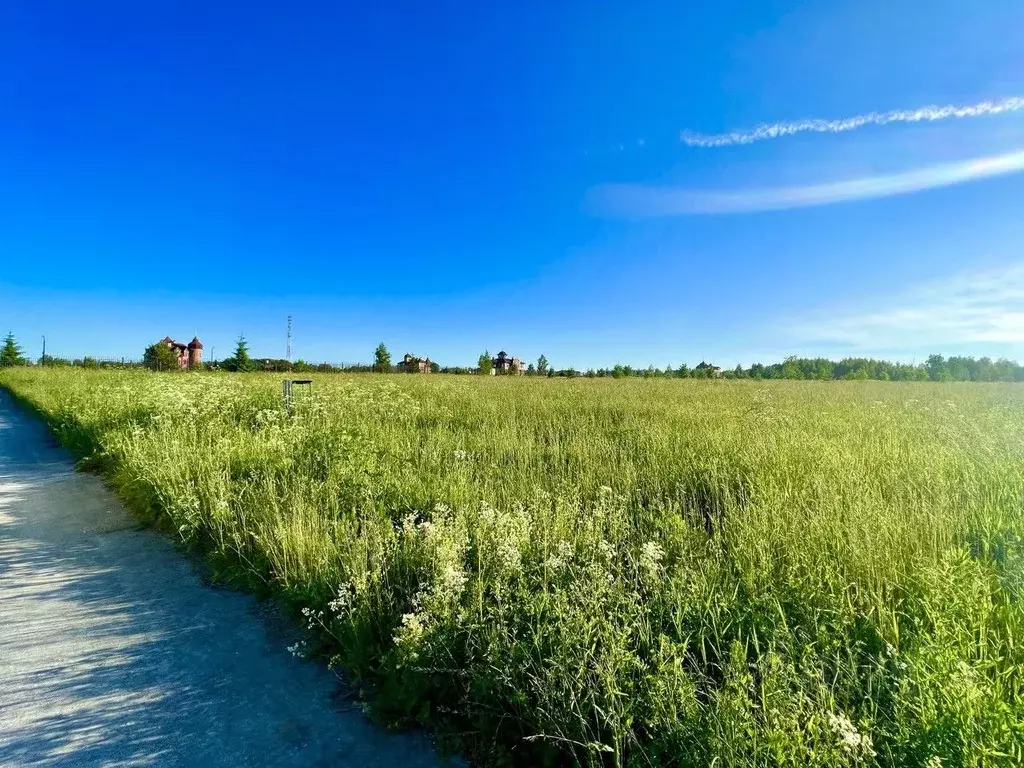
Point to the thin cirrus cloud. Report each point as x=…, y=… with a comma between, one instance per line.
x=768, y=131
x=984, y=307
x=649, y=201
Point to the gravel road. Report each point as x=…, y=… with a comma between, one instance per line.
x=114, y=653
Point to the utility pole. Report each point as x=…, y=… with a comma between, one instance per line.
x=288, y=353
x=42, y=361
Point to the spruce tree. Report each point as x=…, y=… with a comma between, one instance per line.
x=10, y=354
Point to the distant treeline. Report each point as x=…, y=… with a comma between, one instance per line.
x=935, y=368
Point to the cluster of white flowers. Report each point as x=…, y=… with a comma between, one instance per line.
x=850, y=739
x=409, y=522
x=651, y=556
x=488, y=514
x=413, y=625
x=298, y=650
x=561, y=558
x=343, y=600
x=450, y=582
x=462, y=455
x=313, y=617
x=509, y=558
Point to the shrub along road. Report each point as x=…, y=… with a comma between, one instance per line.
x=112, y=651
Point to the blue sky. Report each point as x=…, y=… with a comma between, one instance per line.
x=454, y=177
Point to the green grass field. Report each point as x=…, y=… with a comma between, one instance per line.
x=605, y=572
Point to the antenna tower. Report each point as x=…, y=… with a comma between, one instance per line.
x=289, y=348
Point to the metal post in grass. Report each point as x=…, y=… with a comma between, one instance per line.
x=289, y=403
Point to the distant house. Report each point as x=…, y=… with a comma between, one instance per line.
x=411, y=364
x=505, y=364
x=189, y=355
x=714, y=370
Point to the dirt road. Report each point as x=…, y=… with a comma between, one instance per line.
x=113, y=652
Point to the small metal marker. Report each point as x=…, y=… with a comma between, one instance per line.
x=287, y=391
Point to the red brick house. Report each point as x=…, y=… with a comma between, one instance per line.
x=189, y=355
x=411, y=364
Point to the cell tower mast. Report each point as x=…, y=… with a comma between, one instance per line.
x=289, y=348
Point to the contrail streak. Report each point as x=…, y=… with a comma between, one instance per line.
x=929, y=114
x=643, y=201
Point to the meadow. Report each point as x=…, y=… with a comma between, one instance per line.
x=604, y=572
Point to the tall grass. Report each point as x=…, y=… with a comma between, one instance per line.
x=641, y=573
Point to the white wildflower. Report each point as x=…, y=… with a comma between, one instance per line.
x=651, y=556
x=488, y=514
x=554, y=563
x=851, y=740
x=409, y=522
x=509, y=558
x=563, y=557
x=461, y=455
x=298, y=650
x=313, y=617
x=451, y=581
x=411, y=630
x=342, y=600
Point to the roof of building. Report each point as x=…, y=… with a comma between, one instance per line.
x=167, y=340
x=195, y=343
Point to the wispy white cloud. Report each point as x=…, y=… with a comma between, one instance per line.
x=767, y=131
x=977, y=308
x=643, y=201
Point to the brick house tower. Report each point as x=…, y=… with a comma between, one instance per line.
x=195, y=353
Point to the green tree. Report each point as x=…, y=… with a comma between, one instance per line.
x=484, y=364
x=823, y=370
x=241, y=356
x=240, y=361
x=382, y=359
x=542, y=365
x=10, y=354
x=791, y=369
x=160, y=357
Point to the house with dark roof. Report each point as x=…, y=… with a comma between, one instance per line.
x=412, y=364
x=505, y=364
x=189, y=355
